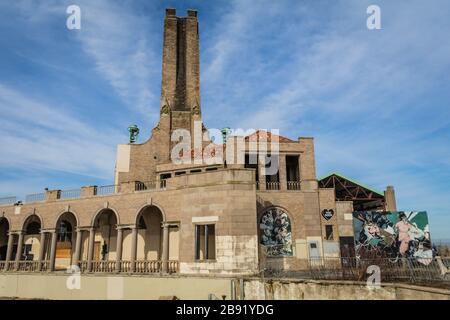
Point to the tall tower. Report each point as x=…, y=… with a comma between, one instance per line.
x=180, y=101
x=180, y=88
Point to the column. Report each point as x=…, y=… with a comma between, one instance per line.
x=91, y=248
x=19, y=249
x=76, y=259
x=119, y=248
x=261, y=172
x=9, y=250
x=282, y=171
x=53, y=250
x=134, y=234
x=165, y=248
x=41, y=250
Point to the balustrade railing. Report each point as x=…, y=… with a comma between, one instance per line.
x=272, y=186
x=293, y=185
x=125, y=266
x=103, y=266
x=148, y=266
x=141, y=266
x=6, y=201
x=83, y=265
x=28, y=266
x=70, y=194
x=143, y=186
x=173, y=266
x=36, y=197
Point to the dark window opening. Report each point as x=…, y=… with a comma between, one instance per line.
x=196, y=171
x=292, y=172
x=65, y=232
x=180, y=173
x=33, y=228
x=210, y=169
x=328, y=232
x=251, y=162
x=205, y=242
x=272, y=180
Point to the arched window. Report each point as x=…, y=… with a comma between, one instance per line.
x=275, y=228
x=33, y=227
x=65, y=232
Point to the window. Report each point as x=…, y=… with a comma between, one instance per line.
x=180, y=173
x=211, y=169
x=275, y=230
x=205, y=242
x=328, y=232
x=65, y=232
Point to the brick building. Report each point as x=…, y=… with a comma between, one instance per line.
x=223, y=217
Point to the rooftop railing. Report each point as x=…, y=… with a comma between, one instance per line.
x=106, y=190
x=70, y=194
x=7, y=201
x=36, y=197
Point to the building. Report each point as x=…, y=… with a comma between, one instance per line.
x=213, y=217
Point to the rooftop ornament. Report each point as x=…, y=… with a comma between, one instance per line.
x=225, y=133
x=134, y=132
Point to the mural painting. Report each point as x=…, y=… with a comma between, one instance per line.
x=275, y=228
x=393, y=235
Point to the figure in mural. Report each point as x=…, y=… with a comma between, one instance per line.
x=403, y=228
x=392, y=235
x=276, y=235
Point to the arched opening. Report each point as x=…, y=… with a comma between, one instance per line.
x=4, y=228
x=149, y=242
x=105, y=240
x=31, y=239
x=65, y=240
x=275, y=232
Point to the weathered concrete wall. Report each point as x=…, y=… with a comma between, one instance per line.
x=337, y=290
x=38, y=286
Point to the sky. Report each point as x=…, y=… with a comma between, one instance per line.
x=375, y=101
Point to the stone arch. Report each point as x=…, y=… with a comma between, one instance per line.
x=4, y=236
x=142, y=208
x=275, y=231
x=105, y=234
x=73, y=213
x=100, y=211
x=149, y=221
x=30, y=215
x=65, y=229
x=31, y=228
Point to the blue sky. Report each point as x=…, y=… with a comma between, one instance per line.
x=376, y=101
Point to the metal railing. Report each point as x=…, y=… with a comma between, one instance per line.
x=106, y=190
x=293, y=185
x=36, y=197
x=420, y=271
x=70, y=194
x=6, y=201
x=143, y=186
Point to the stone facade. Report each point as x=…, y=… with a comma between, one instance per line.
x=199, y=218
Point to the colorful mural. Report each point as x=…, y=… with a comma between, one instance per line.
x=392, y=235
x=275, y=228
